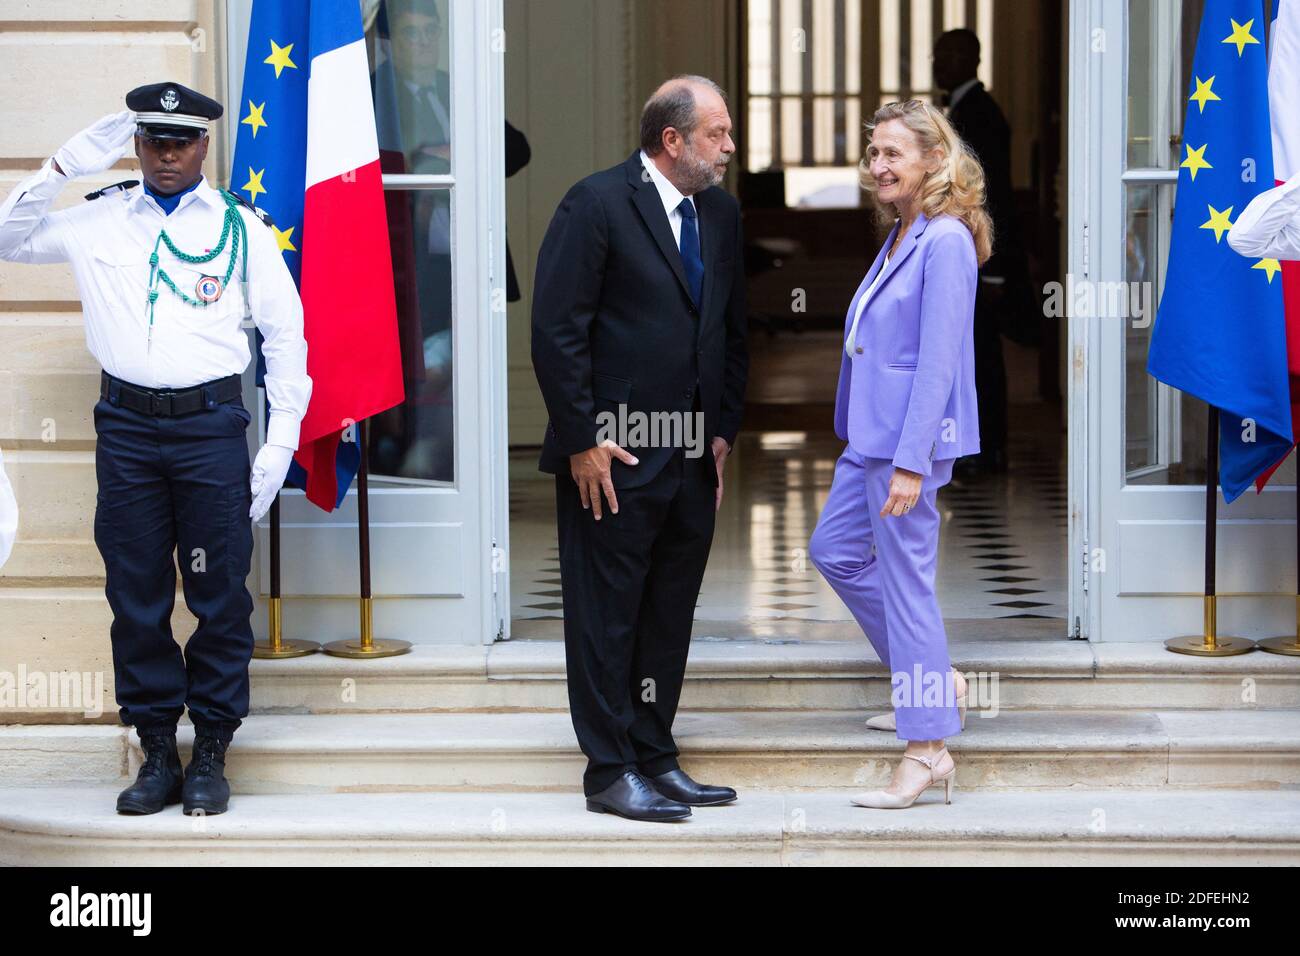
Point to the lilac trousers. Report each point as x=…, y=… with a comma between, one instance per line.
x=883, y=570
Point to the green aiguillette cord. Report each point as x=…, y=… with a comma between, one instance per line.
x=232, y=231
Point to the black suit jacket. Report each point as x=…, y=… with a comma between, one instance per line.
x=614, y=323
x=420, y=125
x=979, y=121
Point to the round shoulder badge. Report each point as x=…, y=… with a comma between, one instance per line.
x=170, y=100
x=208, y=289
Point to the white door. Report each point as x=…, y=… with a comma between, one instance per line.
x=1138, y=468
x=437, y=463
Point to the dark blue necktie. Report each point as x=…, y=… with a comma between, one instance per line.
x=690, y=249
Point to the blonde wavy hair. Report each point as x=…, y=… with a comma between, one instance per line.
x=956, y=187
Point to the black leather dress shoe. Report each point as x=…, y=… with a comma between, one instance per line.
x=676, y=785
x=205, y=789
x=158, y=784
x=630, y=796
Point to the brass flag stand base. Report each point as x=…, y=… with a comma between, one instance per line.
x=367, y=646
x=1287, y=643
x=1210, y=644
x=276, y=646
x=1281, y=645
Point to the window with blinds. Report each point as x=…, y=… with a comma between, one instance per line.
x=815, y=70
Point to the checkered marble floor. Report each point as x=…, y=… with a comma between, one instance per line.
x=1002, y=544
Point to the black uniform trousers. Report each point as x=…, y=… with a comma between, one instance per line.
x=630, y=582
x=176, y=486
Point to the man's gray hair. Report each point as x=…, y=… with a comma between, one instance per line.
x=672, y=105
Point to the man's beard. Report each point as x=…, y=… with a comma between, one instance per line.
x=696, y=172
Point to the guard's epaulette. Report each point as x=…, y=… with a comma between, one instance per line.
x=123, y=186
x=261, y=214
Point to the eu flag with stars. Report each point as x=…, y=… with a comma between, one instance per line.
x=270, y=160
x=1220, y=332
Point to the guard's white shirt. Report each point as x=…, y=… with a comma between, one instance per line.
x=108, y=242
x=862, y=305
x=671, y=198
x=1269, y=226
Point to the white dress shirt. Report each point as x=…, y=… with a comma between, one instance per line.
x=671, y=199
x=862, y=305
x=961, y=91
x=440, y=220
x=1269, y=226
x=440, y=113
x=108, y=242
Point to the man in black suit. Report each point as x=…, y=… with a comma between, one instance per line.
x=978, y=119
x=639, y=318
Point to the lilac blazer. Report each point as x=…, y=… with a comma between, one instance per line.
x=908, y=393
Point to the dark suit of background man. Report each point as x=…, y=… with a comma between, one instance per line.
x=639, y=302
x=978, y=119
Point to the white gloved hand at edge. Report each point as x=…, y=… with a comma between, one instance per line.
x=269, y=470
x=98, y=146
x=8, y=514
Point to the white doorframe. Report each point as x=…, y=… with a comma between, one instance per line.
x=1086, y=133
x=1137, y=550
x=493, y=385
x=434, y=574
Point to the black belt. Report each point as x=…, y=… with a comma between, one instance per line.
x=167, y=402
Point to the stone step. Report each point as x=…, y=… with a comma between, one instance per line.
x=773, y=750
x=67, y=625
x=63, y=629
x=77, y=826
x=780, y=675
x=38, y=753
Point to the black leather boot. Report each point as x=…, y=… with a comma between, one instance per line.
x=158, y=784
x=206, y=789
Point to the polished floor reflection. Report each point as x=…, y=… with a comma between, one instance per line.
x=1002, y=546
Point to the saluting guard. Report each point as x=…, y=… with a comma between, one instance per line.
x=167, y=272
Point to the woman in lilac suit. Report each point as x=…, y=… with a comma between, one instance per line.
x=906, y=407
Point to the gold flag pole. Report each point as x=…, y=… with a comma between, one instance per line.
x=366, y=646
x=275, y=646
x=1211, y=643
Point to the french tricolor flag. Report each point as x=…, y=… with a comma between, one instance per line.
x=308, y=153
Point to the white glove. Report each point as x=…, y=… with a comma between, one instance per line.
x=8, y=514
x=269, y=468
x=98, y=146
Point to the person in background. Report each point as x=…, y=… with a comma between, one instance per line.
x=979, y=121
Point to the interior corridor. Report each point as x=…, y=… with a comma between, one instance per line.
x=1002, y=546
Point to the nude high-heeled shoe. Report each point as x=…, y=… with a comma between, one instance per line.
x=890, y=722
x=941, y=770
